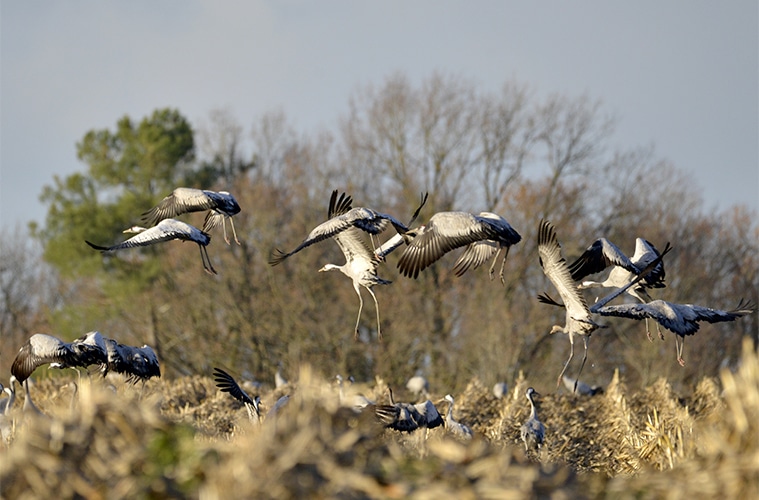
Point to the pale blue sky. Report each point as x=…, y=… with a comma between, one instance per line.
x=682, y=75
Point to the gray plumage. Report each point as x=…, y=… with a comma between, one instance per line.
x=221, y=206
x=408, y=417
x=681, y=319
x=579, y=387
x=345, y=225
x=136, y=363
x=533, y=430
x=41, y=349
x=578, y=320
x=485, y=235
x=166, y=230
x=456, y=428
x=603, y=254
x=500, y=389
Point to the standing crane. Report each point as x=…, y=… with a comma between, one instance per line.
x=485, y=235
x=456, y=428
x=532, y=431
x=345, y=226
x=221, y=206
x=603, y=254
x=166, y=230
x=681, y=319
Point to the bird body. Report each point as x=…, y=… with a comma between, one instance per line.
x=579, y=387
x=165, y=230
x=533, y=430
x=408, y=417
x=41, y=349
x=221, y=206
x=456, y=428
x=500, y=389
x=136, y=363
x=485, y=234
x=603, y=254
x=578, y=319
x=418, y=386
x=681, y=319
x=345, y=225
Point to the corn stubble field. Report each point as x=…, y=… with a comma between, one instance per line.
x=184, y=438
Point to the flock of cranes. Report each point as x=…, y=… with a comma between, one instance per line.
x=484, y=236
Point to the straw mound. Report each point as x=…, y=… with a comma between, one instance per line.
x=184, y=438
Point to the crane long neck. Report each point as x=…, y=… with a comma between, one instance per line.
x=533, y=410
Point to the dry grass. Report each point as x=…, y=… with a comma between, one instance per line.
x=183, y=438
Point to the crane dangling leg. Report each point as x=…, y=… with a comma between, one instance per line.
x=571, y=355
x=679, y=347
x=376, y=305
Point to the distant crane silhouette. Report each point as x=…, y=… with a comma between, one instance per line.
x=166, y=230
x=681, y=319
x=533, y=430
x=418, y=386
x=221, y=206
x=456, y=428
x=500, y=389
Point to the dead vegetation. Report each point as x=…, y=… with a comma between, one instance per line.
x=183, y=438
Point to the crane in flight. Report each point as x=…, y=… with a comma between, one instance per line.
x=166, y=230
x=485, y=235
x=681, y=319
x=42, y=349
x=221, y=207
x=578, y=318
x=346, y=226
x=602, y=254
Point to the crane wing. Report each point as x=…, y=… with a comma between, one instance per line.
x=476, y=254
x=180, y=201
x=445, y=231
x=226, y=383
x=556, y=269
x=597, y=257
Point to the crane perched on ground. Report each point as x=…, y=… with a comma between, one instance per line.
x=408, y=417
x=220, y=205
x=345, y=225
x=681, y=319
x=532, y=431
x=485, y=235
x=602, y=254
x=456, y=428
x=166, y=230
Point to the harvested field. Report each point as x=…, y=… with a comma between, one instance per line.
x=183, y=438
